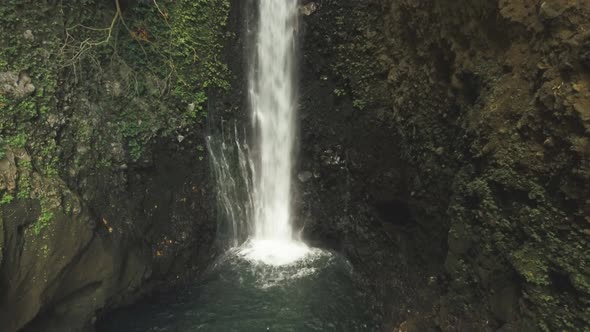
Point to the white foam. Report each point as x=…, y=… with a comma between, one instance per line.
x=274, y=252
x=277, y=277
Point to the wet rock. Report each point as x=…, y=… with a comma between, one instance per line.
x=28, y=35
x=117, y=152
x=114, y=88
x=459, y=240
x=504, y=303
x=1, y=239
x=54, y=120
x=190, y=107
x=521, y=325
x=416, y=324
x=331, y=157
x=305, y=176
x=8, y=172
x=61, y=264
x=16, y=85
x=583, y=108
x=155, y=86
x=453, y=264
x=585, y=54
x=551, y=9
x=549, y=142
x=309, y=8
x=408, y=326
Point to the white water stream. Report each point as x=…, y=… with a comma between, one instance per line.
x=273, y=107
x=262, y=212
x=272, y=96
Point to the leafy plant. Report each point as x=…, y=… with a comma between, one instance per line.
x=6, y=199
x=359, y=104
x=43, y=222
x=339, y=92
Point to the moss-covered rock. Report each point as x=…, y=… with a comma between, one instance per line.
x=103, y=183
x=489, y=104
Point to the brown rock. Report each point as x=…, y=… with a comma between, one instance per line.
x=8, y=172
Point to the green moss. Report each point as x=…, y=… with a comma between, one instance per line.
x=531, y=266
x=339, y=92
x=170, y=54
x=24, y=179
x=167, y=54
x=22, y=118
x=44, y=220
x=6, y=199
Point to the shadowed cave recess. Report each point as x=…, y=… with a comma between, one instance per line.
x=440, y=175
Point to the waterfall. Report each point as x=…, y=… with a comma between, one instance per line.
x=272, y=96
x=254, y=185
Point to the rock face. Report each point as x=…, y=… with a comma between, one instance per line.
x=100, y=199
x=63, y=261
x=457, y=133
x=64, y=274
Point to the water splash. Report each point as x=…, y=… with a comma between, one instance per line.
x=273, y=251
x=234, y=173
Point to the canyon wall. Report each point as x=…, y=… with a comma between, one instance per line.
x=462, y=120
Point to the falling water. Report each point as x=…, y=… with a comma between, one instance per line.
x=272, y=96
x=254, y=186
x=273, y=108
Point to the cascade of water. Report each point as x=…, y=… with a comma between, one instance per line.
x=272, y=99
x=254, y=187
x=234, y=173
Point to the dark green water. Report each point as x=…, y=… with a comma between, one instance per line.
x=314, y=294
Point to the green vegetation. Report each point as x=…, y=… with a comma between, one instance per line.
x=28, y=59
x=532, y=233
x=165, y=52
x=359, y=104
x=6, y=199
x=24, y=179
x=98, y=84
x=339, y=92
x=43, y=222
x=201, y=151
x=115, y=76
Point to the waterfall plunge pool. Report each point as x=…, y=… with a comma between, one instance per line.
x=241, y=292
